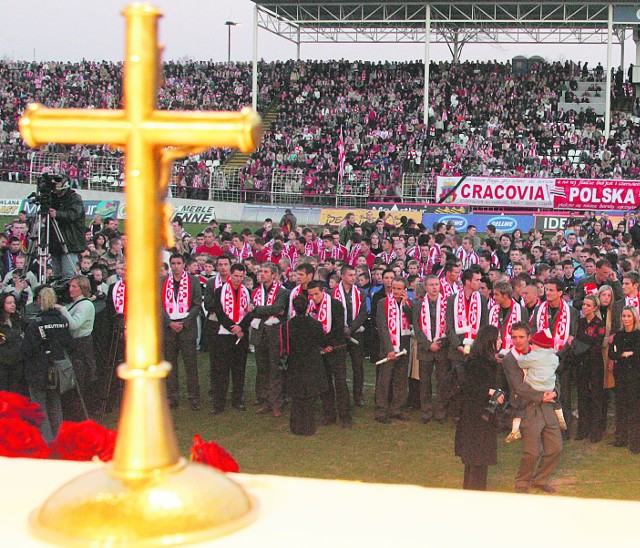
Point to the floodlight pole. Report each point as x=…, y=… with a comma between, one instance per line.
x=427, y=62
x=254, y=66
x=607, y=103
x=229, y=25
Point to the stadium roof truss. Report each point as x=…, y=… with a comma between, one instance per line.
x=385, y=21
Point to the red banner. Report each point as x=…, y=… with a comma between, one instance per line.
x=595, y=194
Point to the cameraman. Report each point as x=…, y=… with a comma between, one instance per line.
x=68, y=210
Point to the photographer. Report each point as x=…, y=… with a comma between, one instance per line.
x=68, y=210
x=476, y=433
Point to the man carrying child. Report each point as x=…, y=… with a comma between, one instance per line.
x=539, y=421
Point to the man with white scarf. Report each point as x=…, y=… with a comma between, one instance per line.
x=429, y=325
x=181, y=298
x=467, y=312
x=232, y=304
x=270, y=302
x=329, y=312
x=355, y=314
x=393, y=319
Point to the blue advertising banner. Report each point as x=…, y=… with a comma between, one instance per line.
x=503, y=223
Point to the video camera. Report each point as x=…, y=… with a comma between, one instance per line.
x=493, y=408
x=46, y=188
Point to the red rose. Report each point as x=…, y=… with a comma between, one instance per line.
x=83, y=441
x=19, y=438
x=212, y=454
x=17, y=406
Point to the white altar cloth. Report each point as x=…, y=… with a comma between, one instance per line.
x=307, y=513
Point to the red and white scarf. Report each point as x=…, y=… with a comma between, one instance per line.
x=118, y=297
x=335, y=253
x=355, y=252
x=446, y=289
x=435, y=254
x=388, y=258
x=259, y=295
x=322, y=313
x=294, y=256
x=311, y=248
x=395, y=325
x=177, y=307
x=515, y=315
x=295, y=292
x=517, y=354
x=467, y=258
x=356, y=301
x=562, y=326
x=467, y=317
x=633, y=301
x=243, y=252
x=217, y=281
x=441, y=314
x=235, y=307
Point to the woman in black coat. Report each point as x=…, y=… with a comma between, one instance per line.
x=477, y=439
x=10, y=345
x=306, y=378
x=625, y=350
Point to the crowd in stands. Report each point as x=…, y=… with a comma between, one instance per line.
x=484, y=119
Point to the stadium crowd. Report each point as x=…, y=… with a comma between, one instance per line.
x=422, y=303
x=484, y=119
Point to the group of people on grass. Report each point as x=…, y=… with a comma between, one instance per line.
x=455, y=324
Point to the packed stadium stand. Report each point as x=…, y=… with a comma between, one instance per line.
x=485, y=119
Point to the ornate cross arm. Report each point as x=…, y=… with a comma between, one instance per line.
x=42, y=125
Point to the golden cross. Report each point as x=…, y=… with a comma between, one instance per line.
x=151, y=139
x=146, y=461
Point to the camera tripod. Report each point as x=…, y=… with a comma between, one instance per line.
x=39, y=239
x=114, y=386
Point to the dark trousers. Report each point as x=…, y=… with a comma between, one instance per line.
x=564, y=377
x=302, y=420
x=627, y=406
x=336, y=397
x=475, y=477
x=11, y=378
x=392, y=376
x=228, y=359
x=84, y=369
x=437, y=363
x=590, y=376
x=356, y=353
x=269, y=377
x=182, y=343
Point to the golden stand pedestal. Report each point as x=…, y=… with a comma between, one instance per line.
x=143, y=504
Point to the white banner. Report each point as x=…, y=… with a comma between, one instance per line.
x=496, y=191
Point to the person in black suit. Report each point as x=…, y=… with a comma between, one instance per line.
x=305, y=373
x=329, y=312
x=269, y=309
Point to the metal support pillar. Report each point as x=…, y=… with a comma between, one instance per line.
x=254, y=73
x=427, y=63
x=607, y=108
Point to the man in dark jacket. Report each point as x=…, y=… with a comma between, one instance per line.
x=330, y=314
x=269, y=310
x=67, y=210
x=355, y=314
